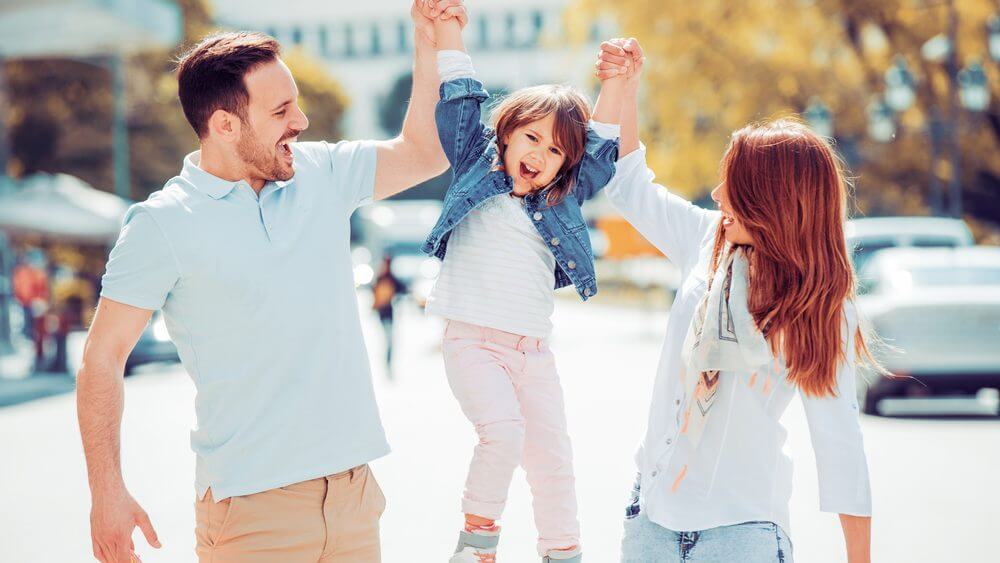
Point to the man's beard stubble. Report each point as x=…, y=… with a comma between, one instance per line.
x=258, y=159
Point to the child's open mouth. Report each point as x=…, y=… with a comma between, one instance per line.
x=528, y=173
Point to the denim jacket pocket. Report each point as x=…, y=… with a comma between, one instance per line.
x=569, y=217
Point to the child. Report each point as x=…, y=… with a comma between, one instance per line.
x=510, y=232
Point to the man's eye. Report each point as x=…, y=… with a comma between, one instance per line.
x=280, y=114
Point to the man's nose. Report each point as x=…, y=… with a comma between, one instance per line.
x=301, y=122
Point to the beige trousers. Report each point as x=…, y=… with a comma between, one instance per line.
x=331, y=519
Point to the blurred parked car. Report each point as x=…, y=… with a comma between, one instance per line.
x=940, y=307
x=869, y=235
x=154, y=345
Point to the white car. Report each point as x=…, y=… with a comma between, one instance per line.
x=940, y=309
x=868, y=235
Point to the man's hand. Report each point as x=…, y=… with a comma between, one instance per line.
x=113, y=516
x=424, y=12
x=620, y=57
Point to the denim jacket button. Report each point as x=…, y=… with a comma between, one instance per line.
x=555, y=241
x=572, y=265
x=587, y=292
x=537, y=215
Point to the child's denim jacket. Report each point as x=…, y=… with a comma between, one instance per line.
x=471, y=148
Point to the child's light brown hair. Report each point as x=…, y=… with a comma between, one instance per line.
x=572, y=114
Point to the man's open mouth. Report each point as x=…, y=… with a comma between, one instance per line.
x=285, y=147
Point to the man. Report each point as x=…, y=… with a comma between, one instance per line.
x=247, y=253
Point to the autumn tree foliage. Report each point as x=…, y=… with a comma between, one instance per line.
x=715, y=65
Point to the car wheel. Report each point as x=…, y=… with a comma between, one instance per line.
x=870, y=403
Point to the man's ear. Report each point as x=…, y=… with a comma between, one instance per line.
x=225, y=126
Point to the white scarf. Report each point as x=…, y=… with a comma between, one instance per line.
x=723, y=336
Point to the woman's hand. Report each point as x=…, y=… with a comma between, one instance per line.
x=619, y=66
x=620, y=57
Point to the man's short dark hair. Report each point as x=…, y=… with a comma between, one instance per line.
x=210, y=75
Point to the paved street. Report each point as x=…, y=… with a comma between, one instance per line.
x=936, y=481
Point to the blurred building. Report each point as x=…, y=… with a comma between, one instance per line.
x=368, y=47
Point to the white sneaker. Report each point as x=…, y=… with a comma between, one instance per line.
x=472, y=555
x=574, y=555
x=476, y=546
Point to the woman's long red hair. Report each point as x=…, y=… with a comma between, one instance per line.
x=786, y=187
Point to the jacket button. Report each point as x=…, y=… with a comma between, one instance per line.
x=586, y=291
x=572, y=265
x=537, y=215
x=555, y=241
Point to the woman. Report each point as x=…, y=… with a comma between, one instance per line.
x=765, y=311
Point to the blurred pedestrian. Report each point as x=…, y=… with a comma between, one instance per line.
x=511, y=231
x=31, y=289
x=384, y=293
x=72, y=294
x=765, y=311
x=246, y=253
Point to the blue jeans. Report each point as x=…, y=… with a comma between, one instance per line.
x=749, y=542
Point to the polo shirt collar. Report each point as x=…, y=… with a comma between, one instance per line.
x=211, y=185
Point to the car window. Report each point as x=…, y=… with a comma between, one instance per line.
x=930, y=242
x=964, y=276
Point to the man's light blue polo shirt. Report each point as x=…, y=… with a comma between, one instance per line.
x=258, y=295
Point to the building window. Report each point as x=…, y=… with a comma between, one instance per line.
x=376, y=40
x=484, y=32
x=403, y=36
x=324, y=41
x=297, y=35
x=595, y=32
x=349, y=41
x=537, y=25
x=510, y=28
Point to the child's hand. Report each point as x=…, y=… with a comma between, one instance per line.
x=426, y=12
x=444, y=10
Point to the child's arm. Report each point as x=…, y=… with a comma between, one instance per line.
x=447, y=30
x=458, y=112
x=619, y=67
x=597, y=166
x=612, y=69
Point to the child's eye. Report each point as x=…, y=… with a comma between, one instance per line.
x=555, y=151
x=531, y=137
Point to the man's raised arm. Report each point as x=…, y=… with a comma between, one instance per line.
x=415, y=155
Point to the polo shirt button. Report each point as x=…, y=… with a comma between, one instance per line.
x=669, y=441
x=555, y=241
x=537, y=215
x=572, y=265
x=677, y=402
x=586, y=291
x=655, y=473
